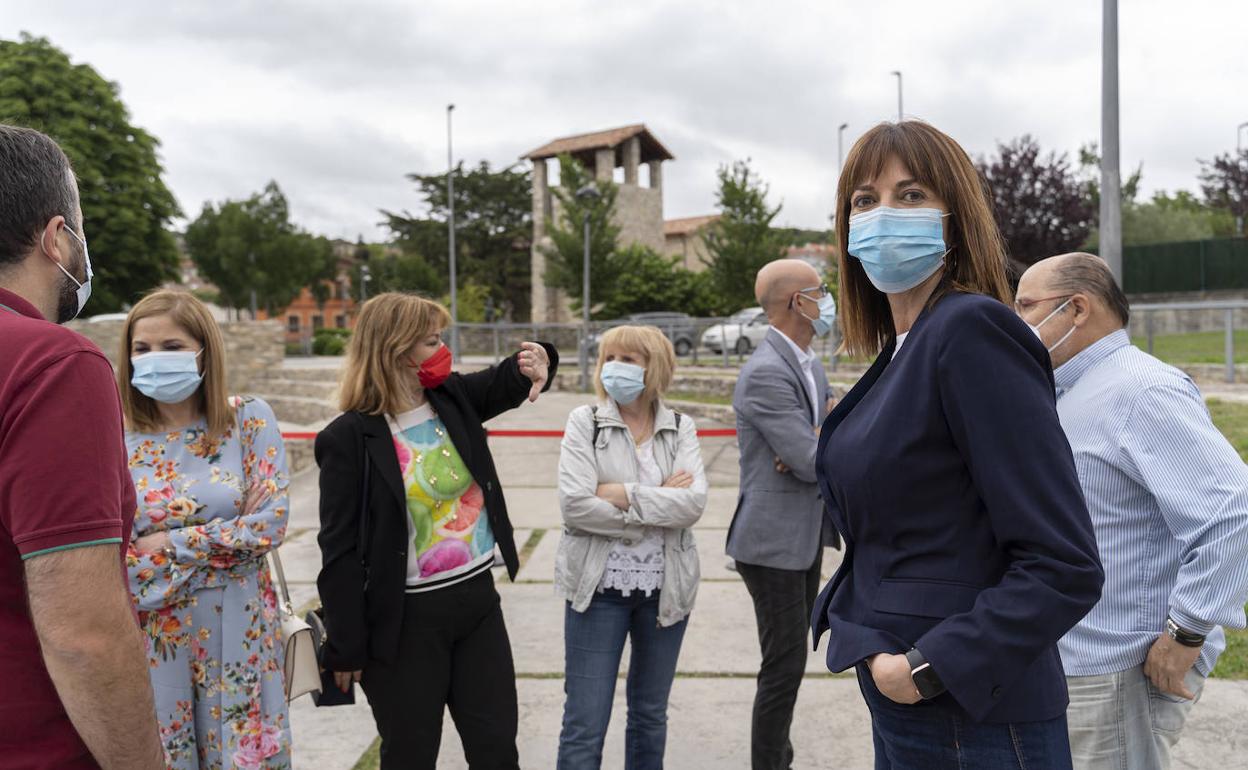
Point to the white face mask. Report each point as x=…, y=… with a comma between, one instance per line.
x=1065, y=336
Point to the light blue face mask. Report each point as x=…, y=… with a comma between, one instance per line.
x=898, y=248
x=827, y=312
x=168, y=376
x=623, y=382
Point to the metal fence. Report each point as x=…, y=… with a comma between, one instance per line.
x=1169, y=318
x=1208, y=265
x=698, y=341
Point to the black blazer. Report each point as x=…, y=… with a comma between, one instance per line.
x=966, y=534
x=363, y=617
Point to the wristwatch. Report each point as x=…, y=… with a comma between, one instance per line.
x=1182, y=635
x=924, y=676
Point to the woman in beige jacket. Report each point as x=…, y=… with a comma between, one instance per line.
x=631, y=485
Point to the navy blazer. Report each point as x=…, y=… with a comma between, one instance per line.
x=950, y=479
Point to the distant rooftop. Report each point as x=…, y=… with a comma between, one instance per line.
x=582, y=146
x=687, y=226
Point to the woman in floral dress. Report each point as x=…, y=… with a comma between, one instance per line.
x=210, y=476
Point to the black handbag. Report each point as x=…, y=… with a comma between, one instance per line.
x=331, y=694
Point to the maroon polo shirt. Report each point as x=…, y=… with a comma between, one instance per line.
x=64, y=483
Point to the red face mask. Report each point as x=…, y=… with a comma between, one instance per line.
x=435, y=369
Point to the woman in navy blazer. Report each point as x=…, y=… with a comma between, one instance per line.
x=969, y=551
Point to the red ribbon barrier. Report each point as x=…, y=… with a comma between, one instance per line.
x=708, y=433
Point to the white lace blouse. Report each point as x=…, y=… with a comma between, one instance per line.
x=638, y=565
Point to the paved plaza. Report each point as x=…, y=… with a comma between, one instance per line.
x=709, y=719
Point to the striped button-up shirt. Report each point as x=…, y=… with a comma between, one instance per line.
x=1169, y=501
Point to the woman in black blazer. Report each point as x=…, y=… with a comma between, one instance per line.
x=410, y=607
x=969, y=550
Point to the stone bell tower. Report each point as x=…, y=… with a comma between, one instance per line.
x=638, y=209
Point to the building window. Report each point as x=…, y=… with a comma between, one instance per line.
x=342, y=290
x=292, y=323
x=340, y=321
x=318, y=322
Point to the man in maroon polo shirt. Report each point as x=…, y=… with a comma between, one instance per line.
x=74, y=689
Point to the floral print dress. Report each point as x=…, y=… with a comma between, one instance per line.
x=210, y=613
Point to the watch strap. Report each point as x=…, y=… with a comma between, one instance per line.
x=924, y=676
x=1182, y=635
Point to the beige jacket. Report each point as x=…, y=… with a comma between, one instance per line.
x=591, y=525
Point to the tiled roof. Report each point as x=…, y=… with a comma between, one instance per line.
x=687, y=226
x=651, y=148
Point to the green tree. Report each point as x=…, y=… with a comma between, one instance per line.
x=1224, y=182
x=649, y=281
x=493, y=230
x=406, y=271
x=125, y=203
x=249, y=245
x=1179, y=217
x=742, y=240
x=565, y=257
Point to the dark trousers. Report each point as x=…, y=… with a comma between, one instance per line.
x=939, y=734
x=453, y=652
x=783, y=601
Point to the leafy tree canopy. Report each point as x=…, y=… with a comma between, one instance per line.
x=125, y=203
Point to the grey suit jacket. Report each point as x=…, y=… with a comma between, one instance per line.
x=779, y=521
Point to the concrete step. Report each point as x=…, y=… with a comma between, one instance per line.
x=300, y=409
x=304, y=388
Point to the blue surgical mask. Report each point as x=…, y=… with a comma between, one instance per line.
x=898, y=248
x=827, y=314
x=623, y=382
x=84, y=287
x=169, y=376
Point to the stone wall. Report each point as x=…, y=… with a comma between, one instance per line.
x=251, y=347
x=639, y=213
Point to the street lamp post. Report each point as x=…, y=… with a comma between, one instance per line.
x=1239, y=154
x=450, y=227
x=586, y=195
x=1111, y=177
x=840, y=153
x=900, y=112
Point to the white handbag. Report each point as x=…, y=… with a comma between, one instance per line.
x=301, y=671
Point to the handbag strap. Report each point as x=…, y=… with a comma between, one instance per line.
x=281, y=580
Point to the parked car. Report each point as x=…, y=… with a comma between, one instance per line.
x=741, y=333
x=680, y=328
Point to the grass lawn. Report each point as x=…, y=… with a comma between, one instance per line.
x=1232, y=420
x=371, y=759
x=1197, y=348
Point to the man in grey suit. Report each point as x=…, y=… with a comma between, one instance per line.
x=779, y=530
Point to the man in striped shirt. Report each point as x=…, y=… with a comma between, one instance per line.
x=1169, y=500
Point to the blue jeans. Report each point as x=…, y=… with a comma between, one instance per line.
x=938, y=734
x=593, y=645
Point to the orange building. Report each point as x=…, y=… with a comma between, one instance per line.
x=304, y=316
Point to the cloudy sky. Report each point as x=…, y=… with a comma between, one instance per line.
x=337, y=101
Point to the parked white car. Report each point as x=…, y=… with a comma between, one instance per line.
x=741, y=333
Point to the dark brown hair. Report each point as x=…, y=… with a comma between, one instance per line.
x=976, y=260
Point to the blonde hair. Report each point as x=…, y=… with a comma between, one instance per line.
x=192, y=315
x=388, y=327
x=976, y=260
x=647, y=342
